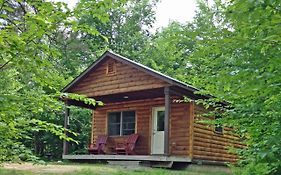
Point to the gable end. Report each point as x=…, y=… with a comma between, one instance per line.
x=118, y=58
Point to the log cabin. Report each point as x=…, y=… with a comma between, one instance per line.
x=138, y=99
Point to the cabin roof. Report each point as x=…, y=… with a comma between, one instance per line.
x=134, y=64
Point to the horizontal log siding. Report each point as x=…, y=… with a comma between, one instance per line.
x=211, y=146
x=179, y=125
x=143, y=117
x=125, y=79
x=179, y=129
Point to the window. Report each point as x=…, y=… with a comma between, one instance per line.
x=121, y=123
x=218, y=127
x=114, y=121
x=160, y=120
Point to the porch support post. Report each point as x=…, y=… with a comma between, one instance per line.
x=167, y=120
x=66, y=123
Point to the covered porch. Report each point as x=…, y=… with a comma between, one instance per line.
x=165, y=96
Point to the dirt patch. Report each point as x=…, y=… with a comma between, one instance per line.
x=42, y=168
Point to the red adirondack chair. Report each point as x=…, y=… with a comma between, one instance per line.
x=99, y=147
x=128, y=147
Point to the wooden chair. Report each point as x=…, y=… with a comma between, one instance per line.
x=99, y=147
x=128, y=147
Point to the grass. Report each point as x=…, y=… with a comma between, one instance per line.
x=97, y=169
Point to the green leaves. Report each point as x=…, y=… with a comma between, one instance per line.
x=31, y=76
x=168, y=51
x=82, y=98
x=54, y=129
x=233, y=62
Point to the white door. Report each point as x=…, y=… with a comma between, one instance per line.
x=158, y=115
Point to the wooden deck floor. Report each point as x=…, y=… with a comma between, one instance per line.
x=159, y=158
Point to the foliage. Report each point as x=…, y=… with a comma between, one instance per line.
x=169, y=49
x=124, y=28
x=80, y=122
x=237, y=59
x=127, y=30
x=78, y=51
x=231, y=51
x=84, y=98
x=252, y=169
x=30, y=79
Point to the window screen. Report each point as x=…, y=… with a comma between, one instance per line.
x=121, y=123
x=128, y=123
x=114, y=121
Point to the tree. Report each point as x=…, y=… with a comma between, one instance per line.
x=168, y=51
x=237, y=59
x=127, y=30
x=30, y=81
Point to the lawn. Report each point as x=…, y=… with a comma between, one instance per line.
x=98, y=169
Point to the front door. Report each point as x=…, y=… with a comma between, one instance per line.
x=157, y=138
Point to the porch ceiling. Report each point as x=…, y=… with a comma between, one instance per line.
x=131, y=96
x=135, y=95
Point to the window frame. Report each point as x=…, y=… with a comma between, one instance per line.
x=121, y=122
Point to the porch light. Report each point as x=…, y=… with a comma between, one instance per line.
x=125, y=97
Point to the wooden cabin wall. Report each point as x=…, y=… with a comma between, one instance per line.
x=143, y=118
x=209, y=145
x=179, y=129
x=124, y=79
x=188, y=136
x=179, y=125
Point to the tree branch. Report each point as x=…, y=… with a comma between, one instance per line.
x=12, y=22
x=2, y=66
x=23, y=8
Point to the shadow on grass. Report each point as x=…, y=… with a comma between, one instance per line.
x=94, y=169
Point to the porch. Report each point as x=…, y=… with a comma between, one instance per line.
x=174, y=145
x=158, y=158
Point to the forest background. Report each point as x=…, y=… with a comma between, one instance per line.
x=230, y=50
